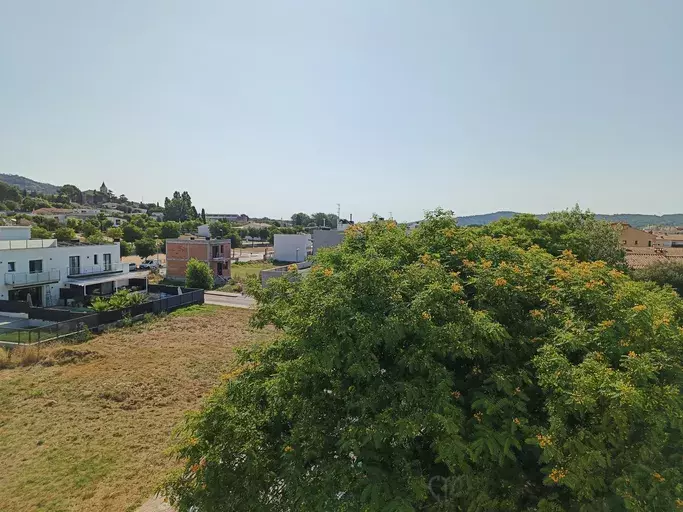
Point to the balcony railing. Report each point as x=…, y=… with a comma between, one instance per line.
x=28, y=278
x=108, y=268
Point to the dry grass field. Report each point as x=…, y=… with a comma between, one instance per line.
x=91, y=432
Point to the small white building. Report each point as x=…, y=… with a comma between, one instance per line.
x=291, y=248
x=40, y=268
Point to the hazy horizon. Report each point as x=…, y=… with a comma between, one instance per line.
x=384, y=106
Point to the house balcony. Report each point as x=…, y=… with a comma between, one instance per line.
x=96, y=270
x=31, y=278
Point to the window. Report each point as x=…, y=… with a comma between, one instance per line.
x=635, y=242
x=11, y=266
x=35, y=266
x=94, y=259
x=74, y=264
x=106, y=259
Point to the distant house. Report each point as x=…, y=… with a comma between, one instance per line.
x=291, y=248
x=157, y=215
x=59, y=214
x=670, y=240
x=632, y=237
x=214, y=252
x=641, y=257
x=230, y=217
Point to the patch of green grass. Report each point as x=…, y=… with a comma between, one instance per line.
x=240, y=271
x=196, y=310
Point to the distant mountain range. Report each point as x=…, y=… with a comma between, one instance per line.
x=637, y=220
x=28, y=184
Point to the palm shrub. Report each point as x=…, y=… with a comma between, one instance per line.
x=445, y=370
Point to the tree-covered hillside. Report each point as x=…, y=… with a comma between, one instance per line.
x=29, y=184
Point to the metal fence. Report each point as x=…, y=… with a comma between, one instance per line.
x=67, y=323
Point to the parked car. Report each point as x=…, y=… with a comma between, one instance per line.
x=150, y=265
x=132, y=267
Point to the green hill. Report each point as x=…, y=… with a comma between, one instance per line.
x=637, y=220
x=29, y=184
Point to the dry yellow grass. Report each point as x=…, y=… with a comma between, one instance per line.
x=92, y=434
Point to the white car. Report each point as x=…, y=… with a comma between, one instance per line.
x=150, y=265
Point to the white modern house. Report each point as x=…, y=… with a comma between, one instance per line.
x=48, y=269
x=291, y=248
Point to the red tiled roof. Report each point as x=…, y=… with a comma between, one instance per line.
x=646, y=256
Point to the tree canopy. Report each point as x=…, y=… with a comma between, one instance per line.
x=179, y=207
x=446, y=369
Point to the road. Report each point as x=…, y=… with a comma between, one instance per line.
x=234, y=300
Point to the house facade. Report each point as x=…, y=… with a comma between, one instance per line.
x=632, y=237
x=214, y=252
x=48, y=270
x=291, y=248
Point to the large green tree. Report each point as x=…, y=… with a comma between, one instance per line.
x=179, y=207
x=447, y=370
x=198, y=275
x=146, y=247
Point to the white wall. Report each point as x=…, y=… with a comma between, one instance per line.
x=54, y=258
x=285, y=247
x=203, y=230
x=15, y=232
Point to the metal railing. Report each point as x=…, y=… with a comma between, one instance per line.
x=107, y=268
x=27, y=244
x=26, y=278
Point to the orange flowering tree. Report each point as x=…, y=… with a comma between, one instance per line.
x=446, y=370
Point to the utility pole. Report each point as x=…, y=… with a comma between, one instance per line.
x=338, y=214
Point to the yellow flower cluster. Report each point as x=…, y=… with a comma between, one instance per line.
x=501, y=281
x=658, y=477
x=467, y=263
x=328, y=272
x=544, y=441
x=557, y=474
x=606, y=323
x=456, y=287
x=425, y=258
x=639, y=307
x=536, y=313
x=478, y=416
x=561, y=274
x=426, y=315
x=593, y=283
x=486, y=263
x=632, y=354
x=288, y=449
x=456, y=394
x=516, y=421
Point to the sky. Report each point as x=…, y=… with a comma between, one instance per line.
x=383, y=106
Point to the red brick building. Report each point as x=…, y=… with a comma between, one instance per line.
x=216, y=253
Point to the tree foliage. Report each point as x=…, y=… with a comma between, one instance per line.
x=447, y=370
x=663, y=273
x=179, y=207
x=198, y=275
x=65, y=234
x=120, y=300
x=38, y=232
x=146, y=247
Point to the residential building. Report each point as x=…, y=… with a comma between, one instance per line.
x=230, y=217
x=326, y=238
x=48, y=270
x=669, y=240
x=632, y=237
x=59, y=214
x=214, y=252
x=157, y=215
x=291, y=248
x=641, y=257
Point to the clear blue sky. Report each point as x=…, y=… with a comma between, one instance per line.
x=268, y=108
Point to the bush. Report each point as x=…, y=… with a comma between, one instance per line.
x=446, y=370
x=38, y=233
x=198, y=275
x=120, y=300
x=65, y=234
x=670, y=272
